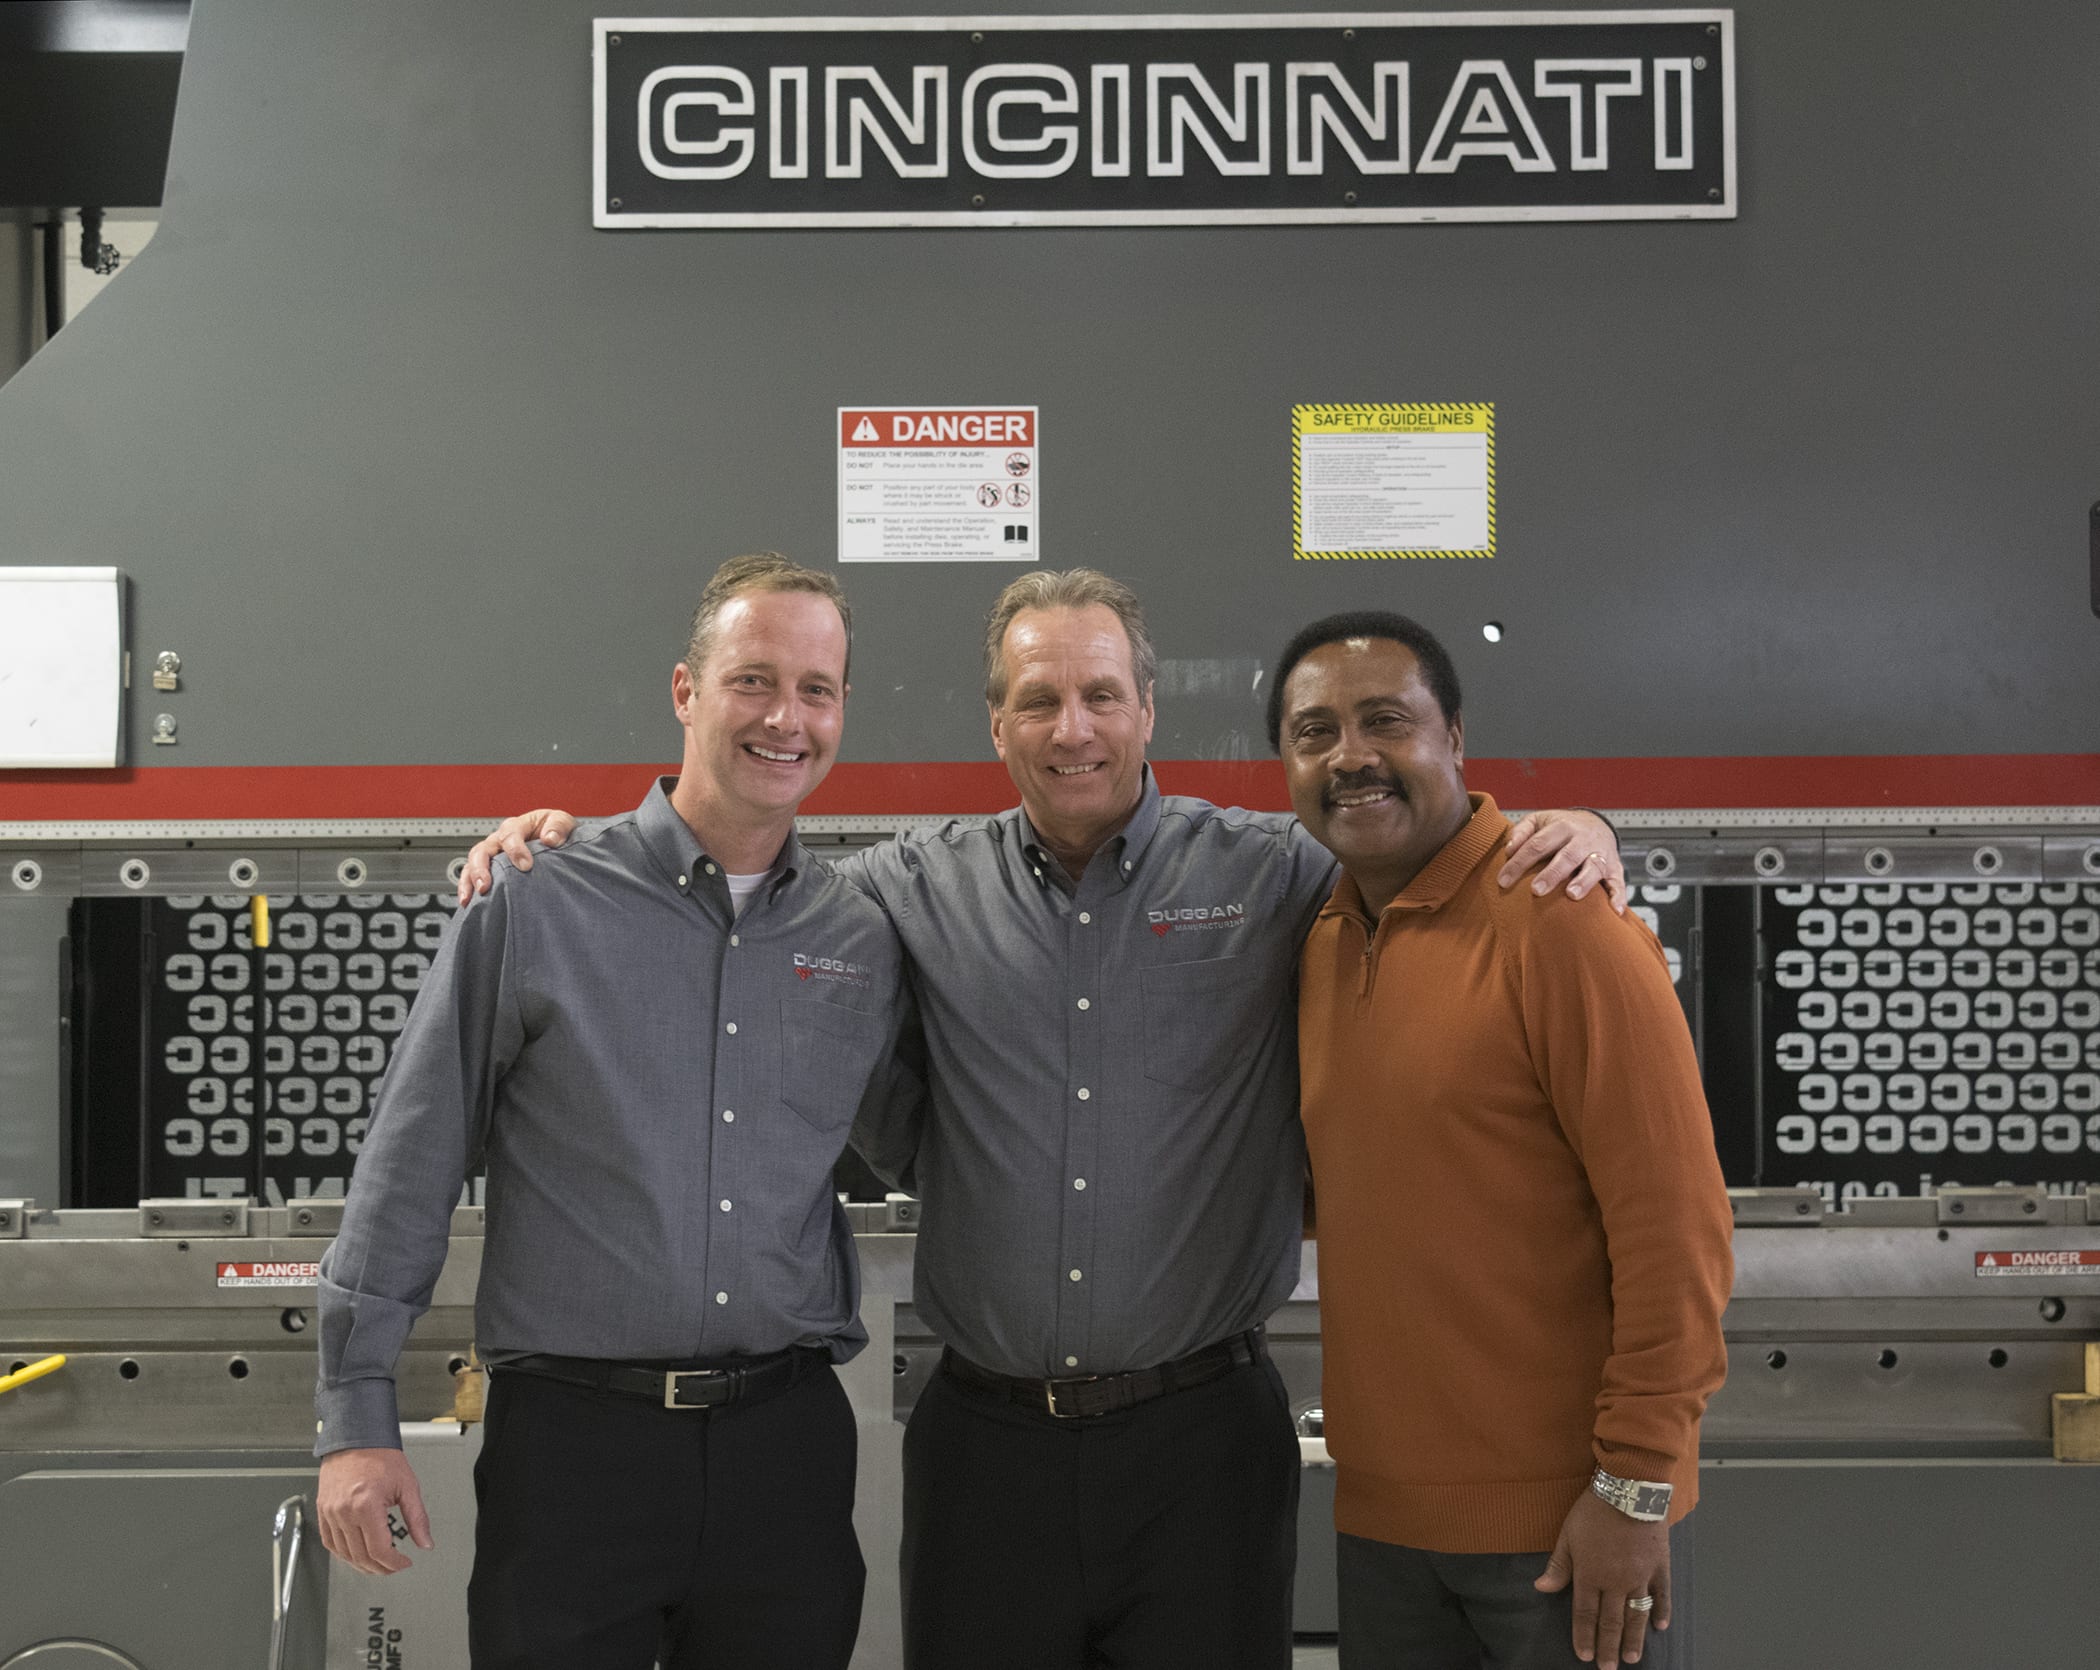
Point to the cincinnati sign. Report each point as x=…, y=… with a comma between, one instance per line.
x=1098, y=121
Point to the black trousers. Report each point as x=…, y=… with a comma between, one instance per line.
x=1158, y=1537
x=613, y=1530
x=1408, y=1609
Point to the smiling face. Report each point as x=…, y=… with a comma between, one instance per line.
x=763, y=714
x=1073, y=726
x=1375, y=768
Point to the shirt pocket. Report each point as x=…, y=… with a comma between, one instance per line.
x=1202, y=1019
x=826, y=1053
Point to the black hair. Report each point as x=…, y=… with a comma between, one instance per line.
x=1437, y=670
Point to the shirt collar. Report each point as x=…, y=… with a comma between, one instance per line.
x=1128, y=843
x=677, y=851
x=1442, y=876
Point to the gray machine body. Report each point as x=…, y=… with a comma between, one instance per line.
x=1877, y=1467
x=412, y=465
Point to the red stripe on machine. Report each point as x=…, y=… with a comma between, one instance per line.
x=863, y=789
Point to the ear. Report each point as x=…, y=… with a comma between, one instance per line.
x=998, y=714
x=682, y=694
x=1458, y=742
x=1147, y=713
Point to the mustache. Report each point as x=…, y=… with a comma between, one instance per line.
x=1356, y=782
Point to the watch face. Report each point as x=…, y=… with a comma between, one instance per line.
x=1636, y=1498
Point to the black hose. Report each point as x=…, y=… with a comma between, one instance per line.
x=54, y=279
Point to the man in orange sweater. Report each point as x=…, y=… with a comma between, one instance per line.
x=1524, y=1237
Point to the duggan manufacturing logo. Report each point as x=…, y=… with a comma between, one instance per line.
x=830, y=968
x=1195, y=919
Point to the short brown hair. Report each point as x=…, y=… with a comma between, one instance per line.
x=760, y=571
x=1073, y=588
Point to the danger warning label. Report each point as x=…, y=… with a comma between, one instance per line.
x=269, y=1275
x=939, y=484
x=2056, y=1261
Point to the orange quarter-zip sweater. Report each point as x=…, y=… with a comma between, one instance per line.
x=1523, y=1232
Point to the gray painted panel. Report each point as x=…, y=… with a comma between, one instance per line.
x=412, y=465
x=30, y=1123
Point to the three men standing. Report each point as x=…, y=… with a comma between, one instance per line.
x=1108, y=1152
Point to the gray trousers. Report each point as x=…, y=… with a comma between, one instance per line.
x=1409, y=1609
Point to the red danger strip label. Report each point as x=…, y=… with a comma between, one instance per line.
x=2068, y=1261
x=269, y=1275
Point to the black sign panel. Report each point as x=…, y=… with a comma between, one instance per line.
x=1920, y=1036
x=1087, y=121
x=297, y=1074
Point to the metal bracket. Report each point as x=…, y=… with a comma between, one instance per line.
x=315, y=1217
x=899, y=1212
x=14, y=1218
x=163, y=1220
x=1777, y=1208
x=1994, y=1206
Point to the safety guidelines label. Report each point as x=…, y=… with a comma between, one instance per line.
x=269, y=1275
x=2061, y=1261
x=1393, y=481
x=939, y=484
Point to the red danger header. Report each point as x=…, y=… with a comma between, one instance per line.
x=936, y=426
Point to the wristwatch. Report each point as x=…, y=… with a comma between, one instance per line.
x=1640, y=1499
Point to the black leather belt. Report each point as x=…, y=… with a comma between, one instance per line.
x=1077, y=1396
x=674, y=1387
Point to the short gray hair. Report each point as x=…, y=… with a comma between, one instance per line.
x=760, y=571
x=1073, y=588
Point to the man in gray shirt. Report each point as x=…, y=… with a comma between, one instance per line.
x=1111, y=1165
x=655, y=1042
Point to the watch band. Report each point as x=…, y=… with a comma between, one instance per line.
x=1641, y=1499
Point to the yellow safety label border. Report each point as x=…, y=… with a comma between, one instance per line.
x=1358, y=418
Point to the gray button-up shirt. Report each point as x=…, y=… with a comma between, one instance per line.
x=658, y=1088
x=1108, y=1153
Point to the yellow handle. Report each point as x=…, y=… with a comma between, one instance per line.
x=35, y=1371
x=259, y=932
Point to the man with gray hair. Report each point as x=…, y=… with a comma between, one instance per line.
x=1108, y=1152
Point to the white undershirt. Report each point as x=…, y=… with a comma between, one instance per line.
x=742, y=887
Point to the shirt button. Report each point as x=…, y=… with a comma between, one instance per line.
x=733, y=940
x=1079, y=1182
x=1084, y=916
x=729, y=1116
x=710, y=869
x=1085, y=1095
x=1071, y=1362
x=1075, y=1275
x=1085, y=1004
x=1126, y=863
x=681, y=881
x=731, y=1027
x=721, y=1298
x=725, y=1205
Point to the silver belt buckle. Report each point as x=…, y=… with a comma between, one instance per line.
x=1050, y=1394
x=673, y=1376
